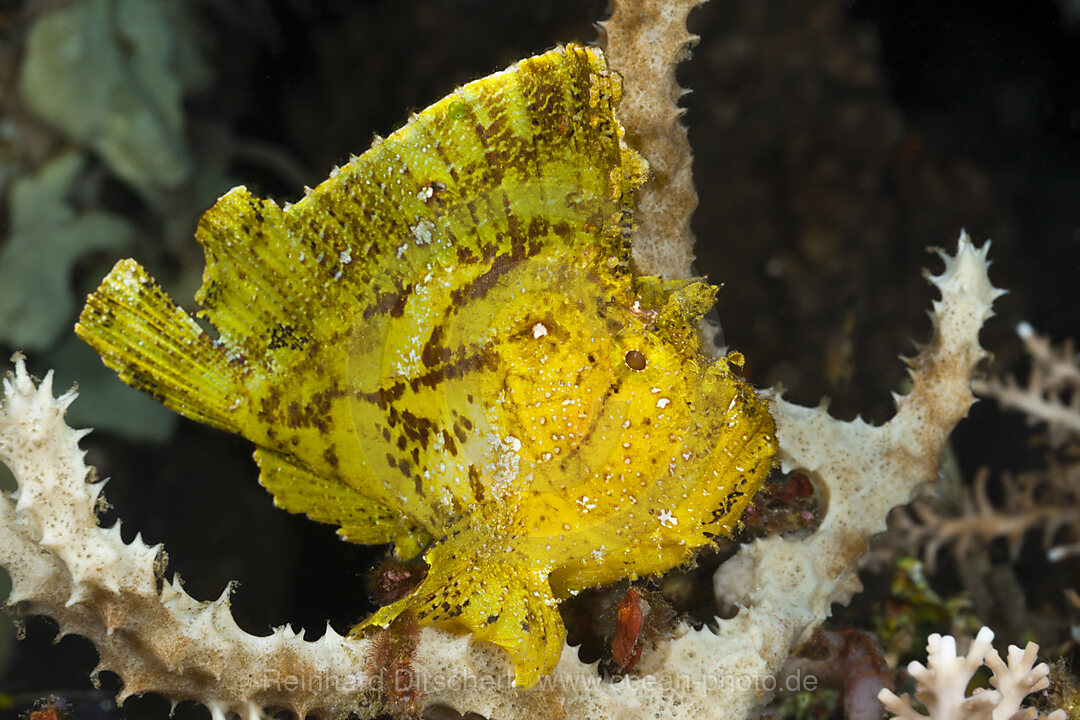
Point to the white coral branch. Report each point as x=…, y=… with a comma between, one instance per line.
x=62, y=564
x=941, y=684
x=787, y=588
x=1058, y=367
x=644, y=40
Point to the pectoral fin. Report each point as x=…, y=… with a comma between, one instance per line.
x=330, y=500
x=501, y=600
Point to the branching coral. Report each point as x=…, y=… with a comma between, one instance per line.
x=1052, y=392
x=786, y=587
x=95, y=585
x=1044, y=501
x=943, y=682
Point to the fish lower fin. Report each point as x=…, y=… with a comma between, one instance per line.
x=361, y=519
x=502, y=600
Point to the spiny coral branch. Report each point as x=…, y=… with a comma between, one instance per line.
x=95, y=585
x=787, y=588
x=645, y=40
x=943, y=681
x=65, y=566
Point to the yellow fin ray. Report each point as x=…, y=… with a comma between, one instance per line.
x=323, y=499
x=158, y=348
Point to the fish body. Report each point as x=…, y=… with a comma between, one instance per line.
x=444, y=346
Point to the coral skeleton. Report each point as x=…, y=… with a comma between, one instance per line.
x=942, y=683
x=644, y=41
x=1044, y=501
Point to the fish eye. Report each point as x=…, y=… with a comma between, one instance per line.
x=635, y=360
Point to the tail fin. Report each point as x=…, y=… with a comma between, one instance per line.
x=158, y=348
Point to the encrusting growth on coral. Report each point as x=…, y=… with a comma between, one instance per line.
x=943, y=682
x=850, y=661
